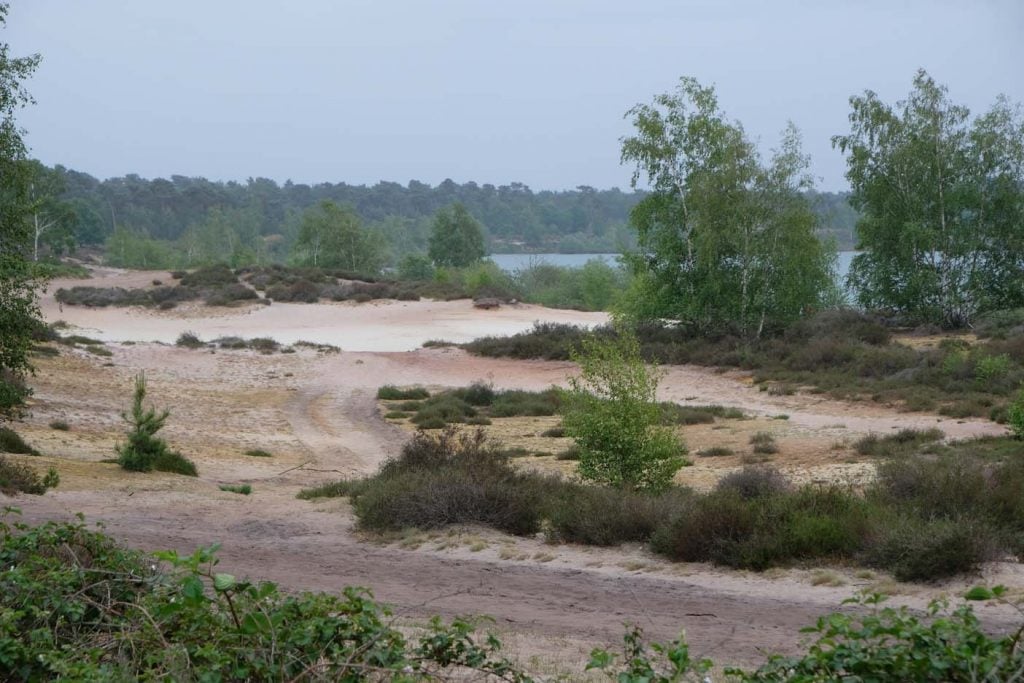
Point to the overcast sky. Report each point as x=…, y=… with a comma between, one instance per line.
x=522, y=90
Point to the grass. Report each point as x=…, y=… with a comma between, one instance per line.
x=259, y=453
x=243, y=489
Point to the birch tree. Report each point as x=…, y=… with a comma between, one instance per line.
x=941, y=198
x=725, y=240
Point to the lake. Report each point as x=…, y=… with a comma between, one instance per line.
x=513, y=262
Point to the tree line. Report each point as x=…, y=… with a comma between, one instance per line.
x=196, y=220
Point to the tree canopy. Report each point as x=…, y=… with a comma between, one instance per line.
x=19, y=279
x=456, y=238
x=941, y=198
x=332, y=236
x=725, y=240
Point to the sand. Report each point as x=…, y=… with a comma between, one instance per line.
x=317, y=414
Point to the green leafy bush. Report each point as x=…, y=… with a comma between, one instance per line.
x=612, y=414
x=111, y=615
x=1015, y=415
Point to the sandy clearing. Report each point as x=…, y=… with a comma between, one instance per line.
x=317, y=414
x=373, y=326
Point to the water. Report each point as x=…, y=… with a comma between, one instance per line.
x=513, y=262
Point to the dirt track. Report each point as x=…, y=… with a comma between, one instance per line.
x=317, y=414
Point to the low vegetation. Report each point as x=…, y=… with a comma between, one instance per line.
x=144, y=451
x=842, y=353
x=475, y=404
x=12, y=442
x=928, y=515
x=243, y=489
x=19, y=478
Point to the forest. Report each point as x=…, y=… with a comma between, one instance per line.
x=185, y=221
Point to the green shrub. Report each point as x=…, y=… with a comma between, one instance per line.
x=916, y=549
x=189, y=340
x=570, y=453
x=715, y=451
x=554, y=432
x=602, y=516
x=516, y=403
x=335, y=489
x=454, y=478
x=991, y=367
x=477, y=394
x=207, y=276
x=243, y=489
x=259, y=453
x=390, y=392
x=145, y=451
x=445, y=407
x=396, y=415
x=112, y=615
x=612, y=413
x=903, y=442
x=764, y=443
x=754, y=482
x=17, y=478
x=11, y=442
x=1015, y=415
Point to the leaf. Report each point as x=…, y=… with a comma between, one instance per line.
x=223, y=582
x=979, y=593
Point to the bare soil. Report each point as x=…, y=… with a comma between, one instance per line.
x=317, y=414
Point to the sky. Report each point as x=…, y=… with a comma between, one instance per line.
x=529, y=91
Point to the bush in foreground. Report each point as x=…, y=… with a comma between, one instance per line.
x=110, y=615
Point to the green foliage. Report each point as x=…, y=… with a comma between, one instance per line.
x=259, y=453
x=455, y=478
x=415, y=267
x=724, y=239
x=895, y=644
x=76, y=606
x=1015, y=415
x=941, y=200
x=641, y=662
x=390, y=392
x=843, y=353
x=189, y=340
x=144, y=451
x=903, y=442
x=20, y=279
x=18, y=478
x=11, y=442
x=612, y=413
x=332, y=236
x=243, y=489
x=456, y=238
